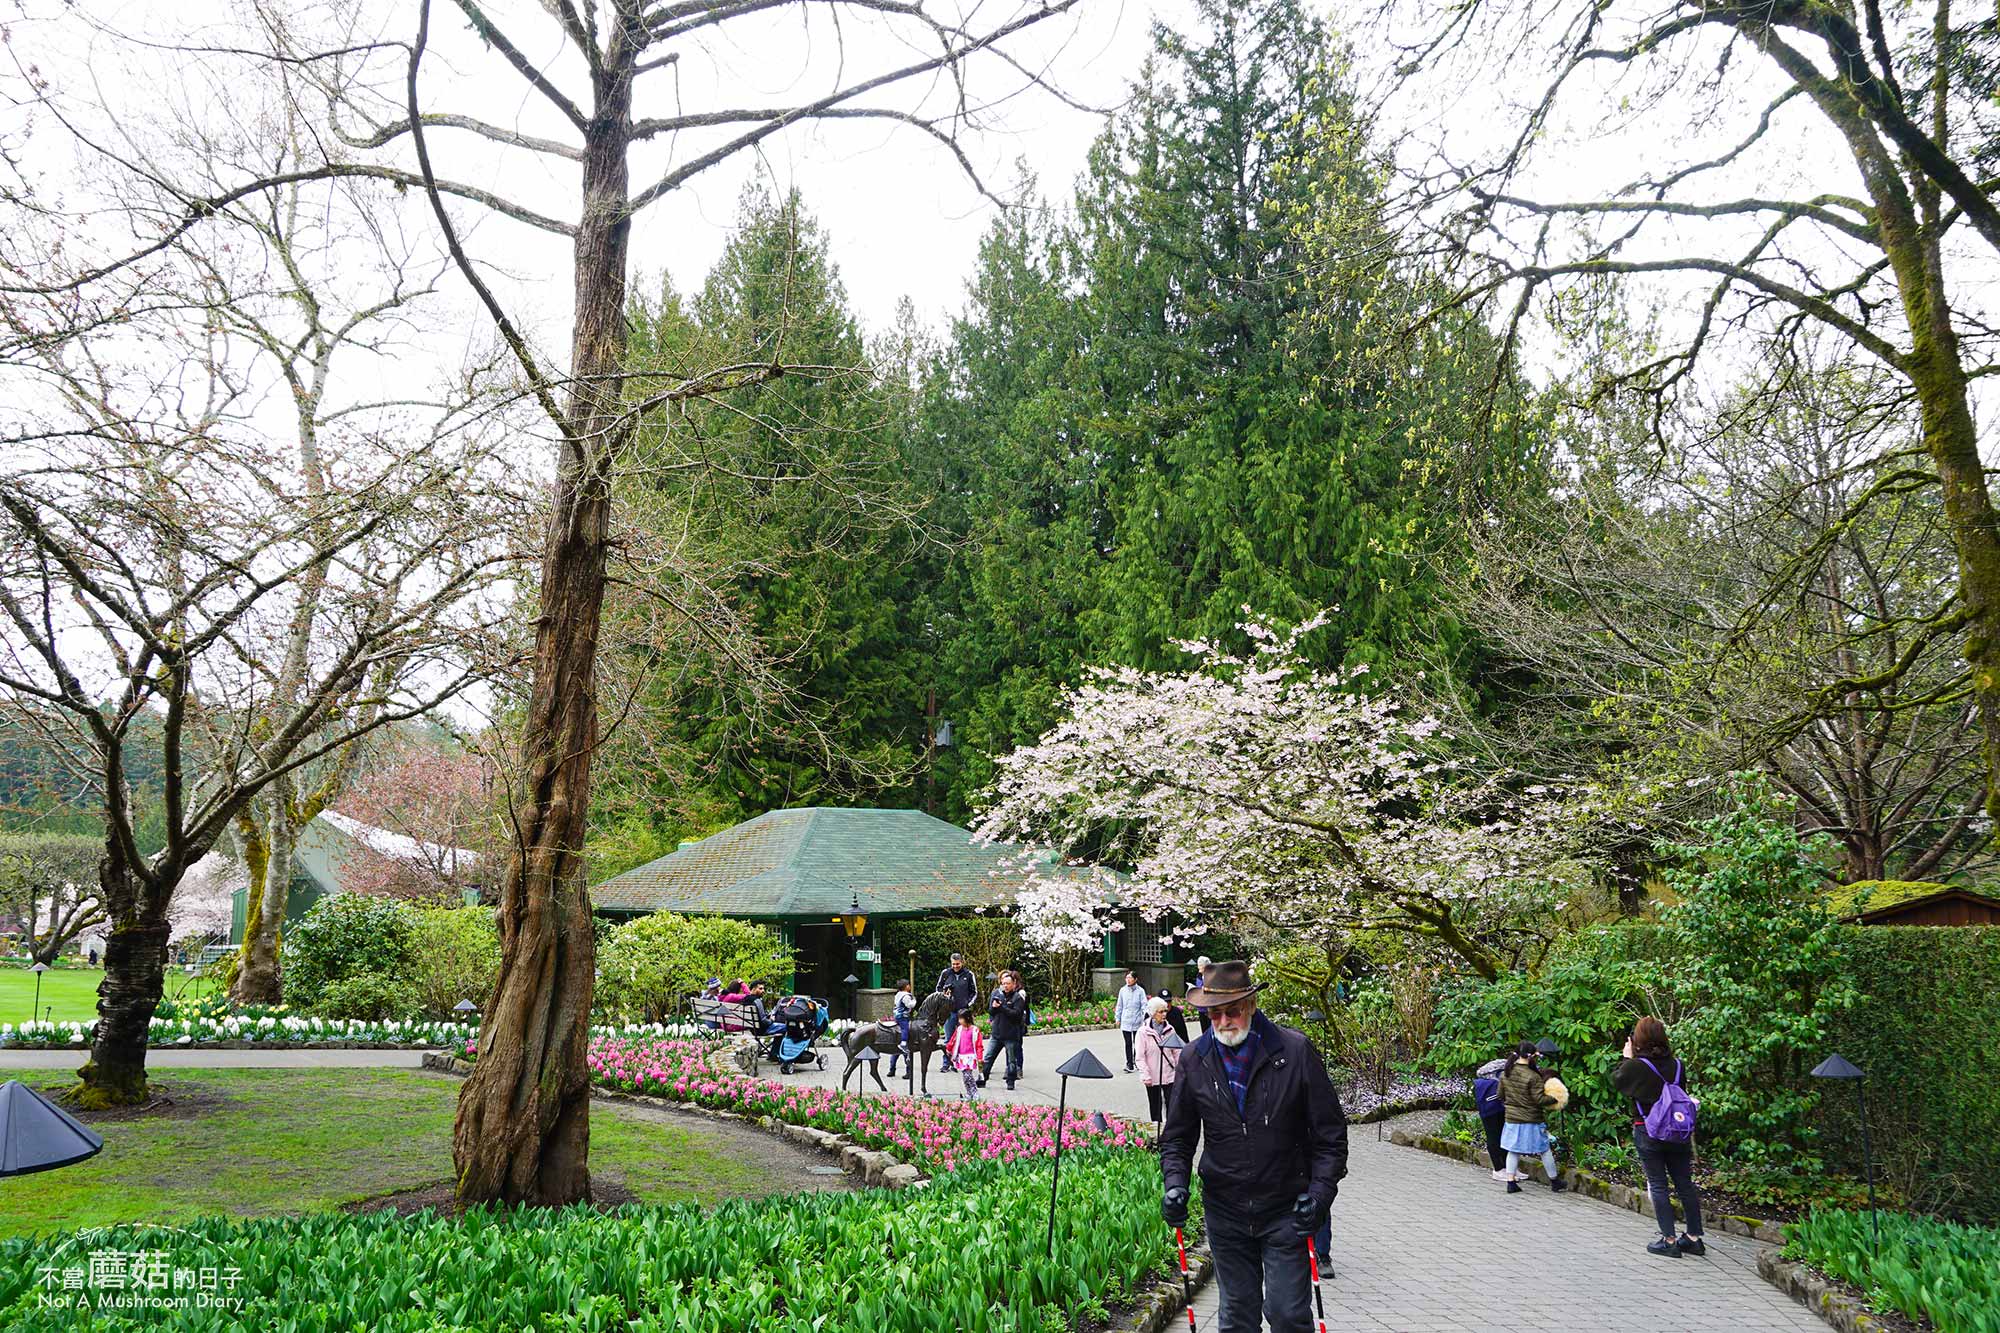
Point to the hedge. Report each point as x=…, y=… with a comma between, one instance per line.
x=1927, y=1031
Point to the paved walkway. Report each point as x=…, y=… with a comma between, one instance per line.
x=1423, y=1245
x=1426, y=1245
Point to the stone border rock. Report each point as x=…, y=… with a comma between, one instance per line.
x=1818, y=1294
x=1593, y=1187
x=1157, y=1310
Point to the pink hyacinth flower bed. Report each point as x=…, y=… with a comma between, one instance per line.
x=935, y=1134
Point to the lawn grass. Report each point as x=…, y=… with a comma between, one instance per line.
x=69, y=994
x=279, y=1141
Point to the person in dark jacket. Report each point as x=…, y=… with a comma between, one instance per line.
x=1007, y=1011
x=1176, y=1016
x=1641, y=1082
x=1492, y=1114
x=958, y=982
x=1274, y=1148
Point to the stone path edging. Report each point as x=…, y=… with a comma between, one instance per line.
x=1817, y=1294
x=1167, y=1302
x=1592, y=1187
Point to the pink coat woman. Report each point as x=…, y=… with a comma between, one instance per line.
x=1156, y=1064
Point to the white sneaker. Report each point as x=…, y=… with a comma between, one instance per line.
x=1503, y=1175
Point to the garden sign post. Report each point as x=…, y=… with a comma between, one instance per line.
x=1081, y=1065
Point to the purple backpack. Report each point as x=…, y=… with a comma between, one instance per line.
x=1672, y=1118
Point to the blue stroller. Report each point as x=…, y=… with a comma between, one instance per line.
x=795, y=1025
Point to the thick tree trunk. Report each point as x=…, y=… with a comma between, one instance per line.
x=135, y=966
x=523, y=1128
x=269, y=860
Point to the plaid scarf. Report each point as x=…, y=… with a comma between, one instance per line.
x=1237, y=1063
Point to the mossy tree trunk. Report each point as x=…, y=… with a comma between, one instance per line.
x=522, y=1132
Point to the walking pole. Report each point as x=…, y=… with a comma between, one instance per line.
x=1319, y=1300
x=1187, y=1289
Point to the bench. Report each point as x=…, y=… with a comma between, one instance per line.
x=725, y=1017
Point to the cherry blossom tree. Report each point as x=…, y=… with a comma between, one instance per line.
x=1257, y=795
x=439, y=803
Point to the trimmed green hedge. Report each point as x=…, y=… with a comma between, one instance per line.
x=1927, y=1031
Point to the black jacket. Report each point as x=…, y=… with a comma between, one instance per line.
x=961, y=985
x=1641, y=1086
x=1290, y=1138
x=1009, y=1014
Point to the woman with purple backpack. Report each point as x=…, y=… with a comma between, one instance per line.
x=1663, y=1132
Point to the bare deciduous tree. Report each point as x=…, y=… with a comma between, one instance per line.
x=1803, y=166
x=523, y=1123
x=157, y=547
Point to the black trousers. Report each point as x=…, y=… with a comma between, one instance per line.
x=1661, y=1161
x=1156, y=1100
x=1494, y=1152
x=1130, y=1037
x=1261, y=1272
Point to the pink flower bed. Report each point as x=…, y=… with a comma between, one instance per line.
x=935, y=1134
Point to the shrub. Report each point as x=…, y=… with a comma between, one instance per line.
x=1925, y=1268
x=374, y=997
x=454, y=956
x=649, y=966
x=340, y=937
x=1585, y=999
x=1767, y=976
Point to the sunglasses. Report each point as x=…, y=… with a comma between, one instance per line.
x=1234, y=1009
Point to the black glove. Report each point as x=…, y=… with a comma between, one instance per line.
x=1173, y=1206
x=1305, y=1216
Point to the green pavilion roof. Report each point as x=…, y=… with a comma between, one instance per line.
x=813, y=863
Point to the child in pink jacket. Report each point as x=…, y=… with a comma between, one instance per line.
x=963, y=1051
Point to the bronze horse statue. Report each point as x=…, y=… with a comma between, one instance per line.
x=926, y=1035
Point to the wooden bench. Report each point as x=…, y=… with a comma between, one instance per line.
x=726, y=1017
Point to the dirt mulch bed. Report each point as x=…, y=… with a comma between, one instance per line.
x=1715, y=1202
x=606, y=1192
x=169, y=1101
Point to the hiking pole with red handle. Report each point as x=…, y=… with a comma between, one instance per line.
x=1312, y=1258
x=1187, y=1289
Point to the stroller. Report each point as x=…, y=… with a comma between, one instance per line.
x=795, y=1025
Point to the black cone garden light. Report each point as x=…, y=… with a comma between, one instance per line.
x=1081, y=1065
x=36, y=1012
x=38, y=1135
x=1837, y=1067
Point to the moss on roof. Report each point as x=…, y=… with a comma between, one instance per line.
x=1872, y=895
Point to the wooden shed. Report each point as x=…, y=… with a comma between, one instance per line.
x=1891, y=903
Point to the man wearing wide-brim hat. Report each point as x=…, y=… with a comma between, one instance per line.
x=1275, y=1152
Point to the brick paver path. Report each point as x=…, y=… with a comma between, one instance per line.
x=1423, y=1245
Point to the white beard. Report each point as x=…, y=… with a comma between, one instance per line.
x=1231, y=1039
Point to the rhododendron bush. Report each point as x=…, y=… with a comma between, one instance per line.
x=1255, y=795
x=936, y=1134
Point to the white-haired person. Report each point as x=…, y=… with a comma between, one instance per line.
x=1156, y=1063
